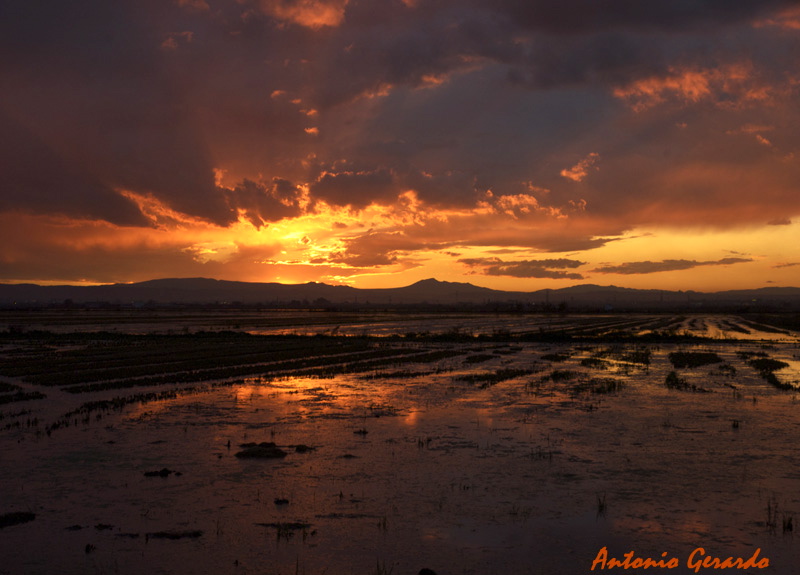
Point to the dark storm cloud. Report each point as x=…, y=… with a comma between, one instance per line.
x=445, y=97
x=581, y=16
x=35, y=178
x=261, y=204
x=387, y=43
x=549, y=268
x=355, y=188
x=494, y=135
x=452, y=187
x=648, y=267
x=87, y=79
x=544, y=43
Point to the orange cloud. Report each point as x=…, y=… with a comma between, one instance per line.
x=735, y=85
x=157, y=212
x=172, y=41
x=520, y=206
x=789, y=19
x=756, y=131
x=409, y=228
x=579, y=171
x=309, y=13
x=204, y=252
x=763, y=141
x=378, y=248
x=689, y=85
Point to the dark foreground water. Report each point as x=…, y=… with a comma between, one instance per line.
x=457, y=465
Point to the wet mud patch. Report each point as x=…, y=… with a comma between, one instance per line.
x=16, y=518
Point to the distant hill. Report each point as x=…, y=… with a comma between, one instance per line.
x=197, y=291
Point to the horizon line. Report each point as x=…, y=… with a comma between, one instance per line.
x=56, y=284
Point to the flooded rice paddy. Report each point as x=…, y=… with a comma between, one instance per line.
x=471, y=445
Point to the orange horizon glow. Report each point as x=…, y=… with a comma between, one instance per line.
x=387, y=246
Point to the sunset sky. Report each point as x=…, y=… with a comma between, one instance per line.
x=512, y=144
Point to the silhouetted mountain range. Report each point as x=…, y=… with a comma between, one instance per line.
x=431, y=292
